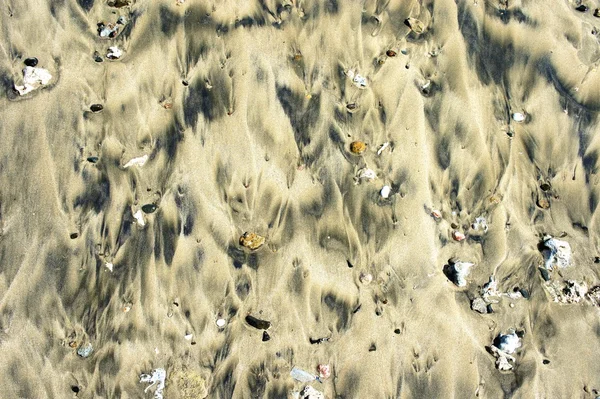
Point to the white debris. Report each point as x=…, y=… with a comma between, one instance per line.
x=311, y=393
x=357, y=79
x=188, y=337
x=518, y=117
x=139, y=217
x=107, y=31
x=479, y=305
x=32, y=79
x=158, y=377
x=221, y=323
x=302, y=376
x=556, y=253
x=383, y=147
x=480, y=223
x=366, y=173
x=85, y=350
x=324, y=371
x=458, y=271
x=109, y=266
x=114, y=53
x=366, y=278
x=139, y=161
x=490, y=289
x=504, y=345
x=385, y=191
x=569, y=291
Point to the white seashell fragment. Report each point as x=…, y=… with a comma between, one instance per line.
x=301, y=375
x=519, y=117
x=157, y=377
x=311, y=393
x=109, y=266
x=457, y=271
x=383, y=147
x=139, y=161
x=33, y=78
x=114, y=53
x=139, y=217
x=188, y=337
x=556, y=253
x=221, y=323
x=366, y=173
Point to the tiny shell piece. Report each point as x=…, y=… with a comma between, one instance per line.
x=385, y=191
x=324, y=371
x=114, y=53
x=311, y=393
x=252, y=241
x=32, y=79
x=139, y=161
x=458, y=236
x=437, y=215
x=139, y=217
x=366, y=278
x=518, y=117
x=358, y=147
x=221, y=323
x=366, y=173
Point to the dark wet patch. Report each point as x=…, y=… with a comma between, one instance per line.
x=332, y=6
x=443, y=152
x=86, y=5
x=250, y=21
x=169, y=21
x=341, y=308
x=257, y=380
x=212, y=103
x=96, y=196
x=243, y=286
x=170, y=236
x=302, y=119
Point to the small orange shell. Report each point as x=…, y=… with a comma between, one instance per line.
x=358, y=147
x=252, y=241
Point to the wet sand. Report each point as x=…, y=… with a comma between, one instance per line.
x=239, y=117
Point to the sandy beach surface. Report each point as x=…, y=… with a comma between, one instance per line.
x=197, y=197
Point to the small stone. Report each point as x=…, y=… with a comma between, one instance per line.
x=385, y=191
x=457, y=271
x=95, y=108
x=149, y=208
x=366, y=278
x=543, y=203
x=390, y=53
x=415, y=25
x=252, y=241
x=546, y=361
x=97, y=57
x=458, y=236
x=221, y=323
x=257, y=323
x=75, y=388
x=556, y=253
x=74, y=235
x=33, y=78
x=478, y=304
x=31, y=62
x=119, y=3
x=437, y=215
x=122, y=20
x=358, y=147
x=266, y=337
x=545, y=186
x=597, y=13
x=324, y=371
x=351, y=107
x=92, y=159
x=582, y=8
x=85, y=350
x=107, y=31
x=519, y=117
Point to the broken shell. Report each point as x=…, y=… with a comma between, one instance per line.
x=437, y=215
x=366, y=278
x=479, y=305
x=114, y=53
x=32, y=79
x=188, y=336
x=221, y=323
x=556, y=253
x=458, y=236
x=139, y=161
x=508, y=343
x=252, y=241
x=109, y=266
x=311, y=393
x=358, y=147
x=107, y=31
x=385, y=191
x=324, y=371
x=366, y=173
x=457, y=271
x=383, y=147
x=543, y=203
x=415, y=25
x=139, y=217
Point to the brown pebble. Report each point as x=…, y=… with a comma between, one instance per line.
x=73, y=344
x=252, y=241
x=297, y=57
x=358, y=147
x=390, y=53
x=597, y=13
x=543, y=203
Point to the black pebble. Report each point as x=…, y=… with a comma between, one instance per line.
x=96, y=108
x=582, y=8
x=372, y=348
x=31, y=62
x=75, y=388
x=350, y=265
x=546, y=361
x=149, y=208
x=545, y=186
x=317, y=340
x=597, y=13
x=258, y=323
x=266, y=336
x=184, y=82
x=397, y=331
x=74, y=236
x=98, y=57
x=597, y=259
x=92, y=159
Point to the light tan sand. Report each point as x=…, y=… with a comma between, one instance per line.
x=258, y=141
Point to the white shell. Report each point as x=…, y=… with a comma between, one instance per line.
x=311, y=393
x=109, y=266
x=188, y=336
x=366, y=173
x=221, y=323
x=509, y=343
x=32, y=79
x=139, y=161
x=114, y=53
x=461, y=270
x=301, y=375
x=518, y=117
x=383, y=147
x=139, y=217
x=556, y=253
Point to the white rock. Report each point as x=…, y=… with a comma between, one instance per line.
x=459, y=271
x=114, y=53
x=109, y=266
x=139, y=161
x=221, y=323
x=139, y=217
x=518, y=117
x=385, y=191
x=157, y=377
x=188, y=337
x=383, y=147
x=509, y=343
x=33, y=78
x=480, y=223
x=556, y=253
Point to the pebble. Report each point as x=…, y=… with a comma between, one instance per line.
x=415, y=25
x=324, y=371
x=257, y=323
x=149, y=208
x=85, y=350
x=139, y=217
x=31, y=62
x=543, y=203
x=582, y=8
x=221, y=323
x=508, y=343
x=385, y=191
x=266, y=337
x=390, y=53
x=252, y=241
x=107, y=31
x=458, y=236
x=597, y=13
x=437, y=215
x=518, y=117
x=457, y=271
x=119, y=3
x=97, y=57
x=366, y=278
x=92, y=159
x=95, y=108
x=358, y=147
